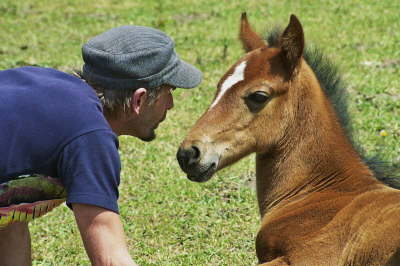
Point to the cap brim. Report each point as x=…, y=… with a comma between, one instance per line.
x=187, y=76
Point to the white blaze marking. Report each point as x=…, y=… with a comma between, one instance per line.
x=237, y=75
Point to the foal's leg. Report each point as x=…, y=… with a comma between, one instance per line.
x=15, y=245
x=276, y=262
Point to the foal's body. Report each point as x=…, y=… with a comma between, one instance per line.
x=319, y=202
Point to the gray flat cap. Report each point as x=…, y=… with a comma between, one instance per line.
x=136, y=57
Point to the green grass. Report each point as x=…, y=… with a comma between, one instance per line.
x=168, y=219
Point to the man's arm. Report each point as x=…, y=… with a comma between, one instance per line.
x=102, y=235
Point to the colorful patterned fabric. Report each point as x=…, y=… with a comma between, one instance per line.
x=29, y=197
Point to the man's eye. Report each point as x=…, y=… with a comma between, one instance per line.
x=171, y=89
x=258, y=97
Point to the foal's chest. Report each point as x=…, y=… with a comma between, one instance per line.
x=301, y=242
x=300, y=232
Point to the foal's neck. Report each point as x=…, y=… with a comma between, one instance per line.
x=316, y=156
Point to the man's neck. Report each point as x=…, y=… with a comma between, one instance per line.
x=116, y=125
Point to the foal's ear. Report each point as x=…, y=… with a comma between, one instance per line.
x=250, y=39
x=292, y=43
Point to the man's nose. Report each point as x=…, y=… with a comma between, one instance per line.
x=170, y=102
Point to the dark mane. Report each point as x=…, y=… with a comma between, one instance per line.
x=335, y=89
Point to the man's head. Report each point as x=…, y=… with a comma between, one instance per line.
x=133, y=69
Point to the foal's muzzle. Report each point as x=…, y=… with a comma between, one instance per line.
x=188, y=158
x=198, y=167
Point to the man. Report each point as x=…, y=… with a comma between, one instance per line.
x=65, y=126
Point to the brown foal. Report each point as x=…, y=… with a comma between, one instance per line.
x=319, y=202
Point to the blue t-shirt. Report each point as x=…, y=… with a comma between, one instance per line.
x=52, y=123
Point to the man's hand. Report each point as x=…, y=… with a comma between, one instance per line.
x=102, y=235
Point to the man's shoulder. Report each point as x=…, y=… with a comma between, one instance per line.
x=48, y=89
x=39, y=76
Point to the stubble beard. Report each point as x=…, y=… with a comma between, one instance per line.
x=151, y=136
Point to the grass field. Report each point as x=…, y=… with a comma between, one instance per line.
x=168, y=219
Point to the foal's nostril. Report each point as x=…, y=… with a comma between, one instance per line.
x=188, y=157
x=196, y=154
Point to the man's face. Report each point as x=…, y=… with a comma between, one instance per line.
x=154, y=112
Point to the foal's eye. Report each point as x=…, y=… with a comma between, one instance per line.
x=258, y=97
x=257, y=100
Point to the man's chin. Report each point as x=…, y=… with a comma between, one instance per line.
x=149, y=137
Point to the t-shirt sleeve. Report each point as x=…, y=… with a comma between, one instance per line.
x=89, y=167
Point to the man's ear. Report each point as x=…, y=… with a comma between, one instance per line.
x=138, y=99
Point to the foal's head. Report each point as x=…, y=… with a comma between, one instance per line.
x=255, y=104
